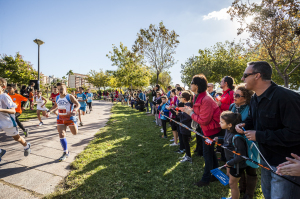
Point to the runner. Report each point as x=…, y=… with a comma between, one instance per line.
x=17, y=99
x=66, y=117
x=7, y=119
x=53, y=97
x=41, y=102
x=89, y=100
x=82, y=100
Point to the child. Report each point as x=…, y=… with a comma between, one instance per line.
x=89, y=96
x=156, y=103
x=164, y=111
x=7, y=119
x=41, y=102
x=173, y=116
x=30, y=98
x=235, y=164
x=186, y=119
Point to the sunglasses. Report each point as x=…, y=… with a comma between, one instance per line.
x=245, y=75
x=238, y=96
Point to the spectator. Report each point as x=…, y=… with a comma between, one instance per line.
x=291, y=167
x=207, y=114
x=227, y=97
x=173, y=116
x=273, y=123
x=241, y=105
x=156, y=103
x=162, y=108
x=169, y=92
x=210, y=90
x=150, y=100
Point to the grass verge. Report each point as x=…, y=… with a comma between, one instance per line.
x=128, y=159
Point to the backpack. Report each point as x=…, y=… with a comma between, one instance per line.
x=252, y=151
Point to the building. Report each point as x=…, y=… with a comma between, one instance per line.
x=79, y=80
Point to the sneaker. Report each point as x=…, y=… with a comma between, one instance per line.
x=28, y=150
x=186, y=159
x=26, y=132
x=213, y=179
x=225, y=198
x=162, y=130
x=41, y=123
x=172, y=140
x=64, y=156
x=81, y=124
x=202, y=184
x=181, y=151
x=181, y=158
x=165, y=137
x=2, y=153
x=174, y=144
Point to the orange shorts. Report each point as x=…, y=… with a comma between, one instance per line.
x=65, y=122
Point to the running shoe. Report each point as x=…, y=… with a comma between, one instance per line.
x=186, y=159
x=2, y=153
x=165, y=137
x=64, y=156
x=181, y=158
x=181, y=151
x=81, y=124
x=26, y=132
x=162, y=130
x=41, y=123
x=172, y=140
x=174, y=144
x=28, y=150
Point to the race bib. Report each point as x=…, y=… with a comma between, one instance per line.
x=89, y=98
x=79, y=98
x=62, y=111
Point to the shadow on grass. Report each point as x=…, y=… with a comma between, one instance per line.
x=128, y=159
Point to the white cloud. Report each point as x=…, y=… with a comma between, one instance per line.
x=218, y=15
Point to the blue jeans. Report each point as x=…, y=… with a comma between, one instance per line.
x=210, y=158
x=275, y=187
x=151, y=104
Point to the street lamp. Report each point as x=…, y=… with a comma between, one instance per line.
x=38, y=42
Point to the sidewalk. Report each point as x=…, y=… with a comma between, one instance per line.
x=40, y=172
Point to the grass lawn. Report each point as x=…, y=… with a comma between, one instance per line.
x=128, y=159
x=31, y=114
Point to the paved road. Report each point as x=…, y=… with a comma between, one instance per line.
x=40, y=172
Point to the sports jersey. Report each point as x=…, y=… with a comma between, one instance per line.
x=40, y=102
x=53, y=96
x=17, y=99
x=82, y=97
x=65, y=108
x=30, y=96
x=7, y=120
x=89, y=97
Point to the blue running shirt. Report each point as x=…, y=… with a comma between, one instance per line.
x=82, y=97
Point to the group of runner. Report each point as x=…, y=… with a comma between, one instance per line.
x=65, y=106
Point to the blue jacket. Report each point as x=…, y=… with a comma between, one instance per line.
x=243, y=110
x=164, y=111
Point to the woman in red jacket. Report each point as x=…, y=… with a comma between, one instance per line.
x=205, y=113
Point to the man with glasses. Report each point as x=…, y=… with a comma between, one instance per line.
x=210, y=90
x=273, y=123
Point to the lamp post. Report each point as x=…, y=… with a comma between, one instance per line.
x=38, y=42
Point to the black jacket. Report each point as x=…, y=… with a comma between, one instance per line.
x=158, y=102
x=240, y=146
x=275, y=115
x=185, y=119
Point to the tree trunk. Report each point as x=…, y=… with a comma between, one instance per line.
x=157, y=74
x=286, y=81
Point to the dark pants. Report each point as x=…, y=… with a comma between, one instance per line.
x=220, y=149
x=199, y=147
x=151, y=104
x=210, y=158
x=164, y=125
x=90, y=105
x=18, y=122
x=186, y=139
x=181, y=143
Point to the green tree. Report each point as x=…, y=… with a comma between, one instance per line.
x=275, y=29
x=98, y=79
x=70, y=72
x=16, y=70
x=164, y=79
x=157, y=44
x=131, y=70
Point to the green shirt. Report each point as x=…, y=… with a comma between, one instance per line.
x=149, y=95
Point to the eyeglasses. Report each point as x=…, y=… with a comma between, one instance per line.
x=245, y=75
x=238, y=96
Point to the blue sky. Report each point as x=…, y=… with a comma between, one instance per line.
x=79, y=34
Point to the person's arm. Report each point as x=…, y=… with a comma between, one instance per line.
x=289, y=135
x=75, y=102
x=44, y=102
x=205, y=115
x=11, y=106
x=241, y=148
x=9, y=111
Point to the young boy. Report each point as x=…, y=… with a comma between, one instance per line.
x=164, y=111
x=89, y=96
x=53, y=97
x=7, y=119
x=17, y=99
x=82, y=100
x=30, y=98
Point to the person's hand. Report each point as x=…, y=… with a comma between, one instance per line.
x=43, y=105
x=239, y=128
x=291, y=167
x=73, y=113
x=251, y=135
x=219, y=103
x=216, y=139
x=227, y=165
x=23, y=108
x=187, y=109
x=48, y=114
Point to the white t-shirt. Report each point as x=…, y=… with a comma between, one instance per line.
x=7, y=120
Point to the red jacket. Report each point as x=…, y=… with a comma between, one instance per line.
x=226, y=99
x=207, y=114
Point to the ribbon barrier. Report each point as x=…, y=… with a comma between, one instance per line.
x=210, y=141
